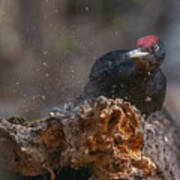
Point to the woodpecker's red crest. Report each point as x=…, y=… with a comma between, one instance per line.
x=148, y=41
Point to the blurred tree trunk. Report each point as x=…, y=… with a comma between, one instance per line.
x=31, y=23
x=10, y=54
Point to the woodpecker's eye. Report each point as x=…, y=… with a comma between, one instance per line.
x=159, y=50
x=156, y=48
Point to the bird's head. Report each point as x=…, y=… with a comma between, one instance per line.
x=149, y=54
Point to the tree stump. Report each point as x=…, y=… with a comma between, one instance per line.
x=109, y=137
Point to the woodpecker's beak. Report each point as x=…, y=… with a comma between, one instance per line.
x=137, y=53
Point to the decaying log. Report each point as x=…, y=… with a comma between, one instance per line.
x=108, y=136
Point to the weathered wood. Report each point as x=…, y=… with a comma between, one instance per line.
x=108, y=136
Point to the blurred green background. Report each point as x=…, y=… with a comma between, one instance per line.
x=47, y=47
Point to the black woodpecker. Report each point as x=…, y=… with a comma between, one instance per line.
x=133, y=75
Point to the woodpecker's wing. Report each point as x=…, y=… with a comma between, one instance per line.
x=112, y=65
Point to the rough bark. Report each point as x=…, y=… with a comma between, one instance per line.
x=110, y=137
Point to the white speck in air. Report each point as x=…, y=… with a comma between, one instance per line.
x=47, y=75
x=43, y=98
x=116, y=33
x=44, y=64
x=45, y=53
x=87, y=9
x=165, y=139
